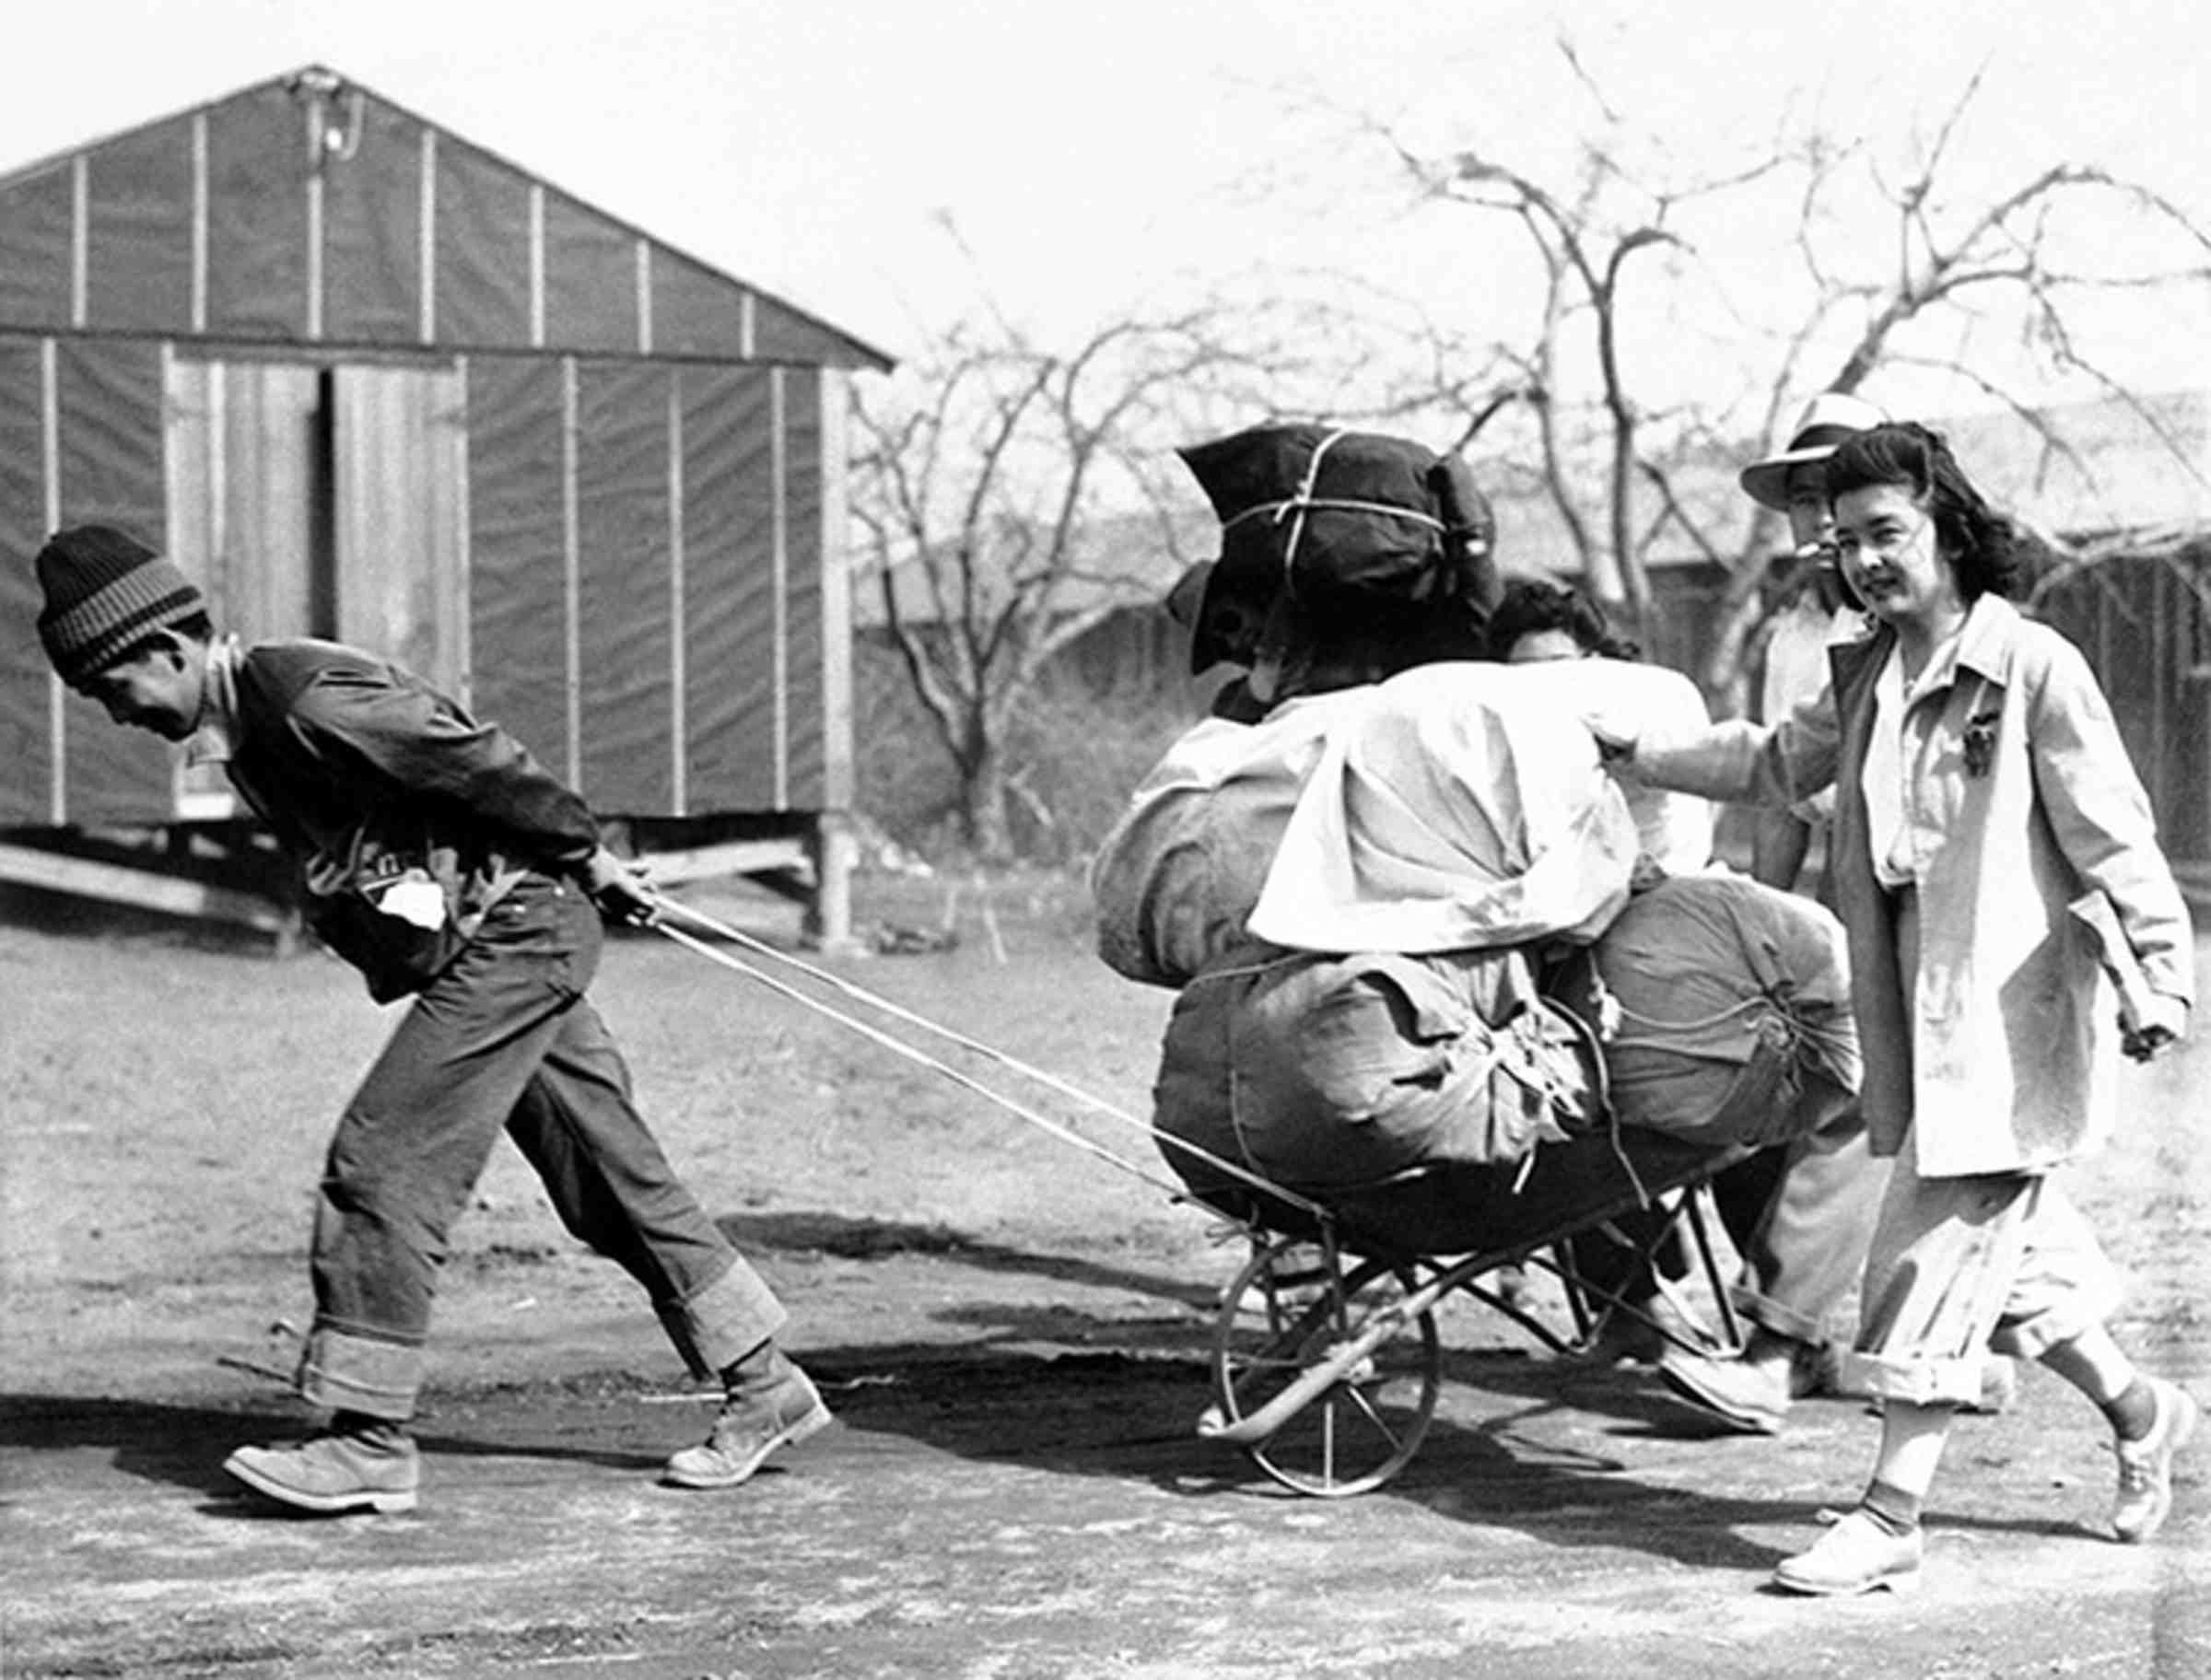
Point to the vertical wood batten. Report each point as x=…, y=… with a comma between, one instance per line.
x=50, y=445
x=315, y=244
x=465, y=625
x=838, y=772
x=644, y=265
x=779, y=523
x=200, y=212
x=571, y=534
x=172, y=502
x=425, y=325
x=217, y=497
x=679, y=727
x=80, y=241
x=537, y=266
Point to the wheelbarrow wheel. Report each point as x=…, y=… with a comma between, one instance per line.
x=1285, y=1313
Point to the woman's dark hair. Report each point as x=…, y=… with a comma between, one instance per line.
x=1530, y=606
x=1978, y=540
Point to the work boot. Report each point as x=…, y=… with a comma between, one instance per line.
x=1751, y=1396
x=359, y=1463
x=2146, y=1465
x=1857, y=1555
x=771, y=1406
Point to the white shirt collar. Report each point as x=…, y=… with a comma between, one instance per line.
x=215, y=737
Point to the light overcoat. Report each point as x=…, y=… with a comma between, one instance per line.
x=2018, y=795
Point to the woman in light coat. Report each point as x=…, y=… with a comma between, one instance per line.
x=1983, y=790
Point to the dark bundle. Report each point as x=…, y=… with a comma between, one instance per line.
x=1333, y=525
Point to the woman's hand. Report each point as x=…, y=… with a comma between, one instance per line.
x=2162, y=1021
x=1615, y=739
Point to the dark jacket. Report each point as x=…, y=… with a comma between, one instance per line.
x=369, y=777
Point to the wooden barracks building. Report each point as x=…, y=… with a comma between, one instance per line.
x=363, y=380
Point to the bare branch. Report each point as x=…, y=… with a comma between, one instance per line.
x=1670, y=502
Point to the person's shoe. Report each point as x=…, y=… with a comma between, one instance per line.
x=1857, y=1555
x=1750, y=1397
x=357, y=1464
x=753, y=1421
x=2146, y=1465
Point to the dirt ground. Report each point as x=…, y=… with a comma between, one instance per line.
x=1013, y=1334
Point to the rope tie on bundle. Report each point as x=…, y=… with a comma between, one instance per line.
x=1796, y=1040
x=1295, y=508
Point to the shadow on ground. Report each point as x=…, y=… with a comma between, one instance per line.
x=1072, y=1384
x=849, y=1237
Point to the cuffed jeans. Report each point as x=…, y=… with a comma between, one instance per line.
x=1961, y=1268
x=504, y=1039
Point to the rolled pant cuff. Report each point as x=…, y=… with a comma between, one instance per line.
x=723, y=1322
x=1913, y=1382
x=359, y=1373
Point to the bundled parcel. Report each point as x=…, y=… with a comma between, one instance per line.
x=1416, y=928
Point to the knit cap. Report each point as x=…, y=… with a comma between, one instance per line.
x=104, y=592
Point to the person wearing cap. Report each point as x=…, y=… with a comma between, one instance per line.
x=1813, y=613
x=1801, y=1213
x=441, y=860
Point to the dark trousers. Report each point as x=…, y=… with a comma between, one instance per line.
x=505, y=1040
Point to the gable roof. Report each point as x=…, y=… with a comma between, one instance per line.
x=307, y=209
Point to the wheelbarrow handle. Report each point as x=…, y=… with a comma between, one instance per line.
x=1310, y=1385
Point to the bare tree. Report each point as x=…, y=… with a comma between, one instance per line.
x=1587, y=236
x=1953, y=257
x=1012, y=497
x=1617, y=261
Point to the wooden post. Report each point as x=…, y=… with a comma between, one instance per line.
x=832, y=848
x=833, y=844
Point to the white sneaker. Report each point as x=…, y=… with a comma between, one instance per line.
x=2146, y=1465
x=1857, y=1555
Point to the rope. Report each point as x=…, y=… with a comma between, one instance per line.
x=1296, y=506
x=1303, y=501
x=1334, y=504
x=1836, y=1044
x=1743, y=1007
x=899, y=1047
